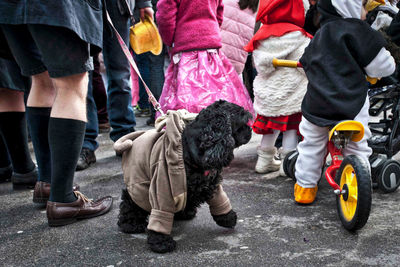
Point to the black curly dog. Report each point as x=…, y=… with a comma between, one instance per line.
x=208, y=144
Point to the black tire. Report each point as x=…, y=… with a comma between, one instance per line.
x=292, y=166
x=389, y=176
x=376, y=161
x=289, y=164
x=286, y=163
x=354, y=207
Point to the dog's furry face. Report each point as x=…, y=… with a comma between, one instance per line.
x=210, y=139
x=239, y=118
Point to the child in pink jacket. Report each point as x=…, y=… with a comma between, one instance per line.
x=237, y=29
x=199, y=73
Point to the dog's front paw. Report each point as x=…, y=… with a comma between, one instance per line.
x=130, y=228
x=226, y=220
x=159, y=242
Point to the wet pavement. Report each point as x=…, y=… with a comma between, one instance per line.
x=271, y=230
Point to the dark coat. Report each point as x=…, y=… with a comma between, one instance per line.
x=84, y=17
x=334, y=63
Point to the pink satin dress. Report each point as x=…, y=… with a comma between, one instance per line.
x=196, y=79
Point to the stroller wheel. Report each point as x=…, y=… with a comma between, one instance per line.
x=376, y=161
x=389, y=176
x=289, y=164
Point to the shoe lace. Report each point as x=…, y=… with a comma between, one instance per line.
x=82, y=196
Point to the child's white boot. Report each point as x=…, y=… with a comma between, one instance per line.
x=266, y=161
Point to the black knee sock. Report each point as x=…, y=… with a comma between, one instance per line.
x=65, y=140
x=38, y=122
x=4, y=158
x=15, y=136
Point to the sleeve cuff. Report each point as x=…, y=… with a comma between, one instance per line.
x=161, y=221
x=219, y=203
x=222, y=208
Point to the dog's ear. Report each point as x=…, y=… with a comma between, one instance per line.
x=241, y=130
x=216, y=140
x=240, y=119
x=190, y=142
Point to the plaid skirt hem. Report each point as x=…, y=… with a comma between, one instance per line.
x=266, y=125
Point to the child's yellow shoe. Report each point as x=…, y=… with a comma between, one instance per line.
x=304, y=195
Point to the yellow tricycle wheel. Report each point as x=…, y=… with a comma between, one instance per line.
x=354, y=204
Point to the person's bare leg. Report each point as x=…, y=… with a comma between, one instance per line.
x=70, y=102
x=42, y=92
x=66, y=132
x=11, y=100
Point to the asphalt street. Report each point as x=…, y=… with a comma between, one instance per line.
x=271, y=230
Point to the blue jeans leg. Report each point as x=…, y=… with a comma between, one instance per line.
x=92, y=125
x=120, y=111
x=143, y=64
x=156, y=75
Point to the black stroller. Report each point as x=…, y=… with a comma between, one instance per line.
x=385, y=141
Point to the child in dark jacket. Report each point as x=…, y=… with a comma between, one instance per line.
x=341, y=54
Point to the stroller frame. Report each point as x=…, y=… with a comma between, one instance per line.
x=386, y=135
x=385, y=140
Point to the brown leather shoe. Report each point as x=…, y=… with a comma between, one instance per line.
x=41, y=193
x=24, y=180
x=59, y=214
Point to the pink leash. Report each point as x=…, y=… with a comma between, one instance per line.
x=128, y=55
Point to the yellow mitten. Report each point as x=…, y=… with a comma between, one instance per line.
x=372, y=4
x=304, y=195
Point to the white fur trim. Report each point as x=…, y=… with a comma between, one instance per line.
x=279, y=91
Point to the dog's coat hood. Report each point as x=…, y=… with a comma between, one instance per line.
x=154, y=172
